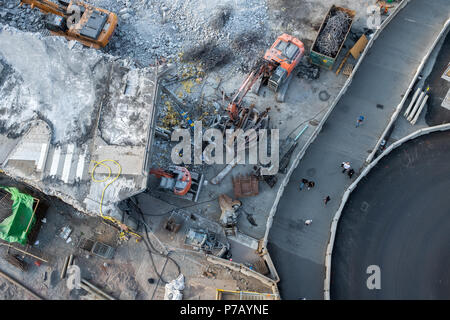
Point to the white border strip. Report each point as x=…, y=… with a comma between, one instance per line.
x=334, y=224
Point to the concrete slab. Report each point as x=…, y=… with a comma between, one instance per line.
x=110, y=117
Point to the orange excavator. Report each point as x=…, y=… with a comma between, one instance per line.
x=274, y=70
x=179, y=181
x=76, y=20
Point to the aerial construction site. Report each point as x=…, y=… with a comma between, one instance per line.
x=147, y=146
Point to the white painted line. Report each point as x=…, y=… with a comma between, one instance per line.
x=67, y=163
x=410, y=20
x=55, y=161
x=80, y=165
x=42, y=157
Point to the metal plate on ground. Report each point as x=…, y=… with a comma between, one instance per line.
x=446, y=74
x=446, y=102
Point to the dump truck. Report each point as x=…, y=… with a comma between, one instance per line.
x=331, y=37
x=76, y=20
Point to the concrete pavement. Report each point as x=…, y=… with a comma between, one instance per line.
x=297, y=250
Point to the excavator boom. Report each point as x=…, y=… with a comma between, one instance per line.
x=46, y=6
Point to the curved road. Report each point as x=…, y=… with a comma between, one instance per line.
x=298, y=251
x=398, y=219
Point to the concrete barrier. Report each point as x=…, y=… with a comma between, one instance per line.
x=408, y=91
x=298, y=156
x=334, y=223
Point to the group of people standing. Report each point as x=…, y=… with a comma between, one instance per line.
x=347, y=168
x=309, y=184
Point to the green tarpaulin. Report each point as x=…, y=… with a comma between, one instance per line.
x=17, y=226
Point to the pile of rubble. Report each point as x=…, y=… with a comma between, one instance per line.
x=149, y=30
x=24, y=19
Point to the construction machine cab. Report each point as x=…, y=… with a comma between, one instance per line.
x=56, y=23
x=94, y=25
x=284, y=54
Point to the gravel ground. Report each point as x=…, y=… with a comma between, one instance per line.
x=150, y=29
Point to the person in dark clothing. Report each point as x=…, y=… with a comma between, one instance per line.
x=303, y=183
x=311, y=184
x=350, y=173
x=326, y=199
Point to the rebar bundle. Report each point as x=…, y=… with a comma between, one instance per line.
x=333, y=34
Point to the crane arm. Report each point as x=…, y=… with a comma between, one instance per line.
x=234, y=106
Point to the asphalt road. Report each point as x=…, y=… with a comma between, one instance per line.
x=398, y=219
x=298, y=251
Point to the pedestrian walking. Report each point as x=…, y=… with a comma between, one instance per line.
x=350, y=173
x=345, y=165
x=326, y=199
x=311, y=184
x=303, y=182
x=308, y=222
x=359, y=121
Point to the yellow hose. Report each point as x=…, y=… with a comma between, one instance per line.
x=102, y=163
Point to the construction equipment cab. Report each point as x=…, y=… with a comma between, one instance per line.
x=79, y=21
x=285, y=54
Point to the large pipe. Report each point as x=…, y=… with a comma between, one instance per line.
x=420, y=110
x=91, y=291
x=97, y=290
x=217, y=179
x=64, y=269
x=70, y=260
x=416, y=106
x=413, y=100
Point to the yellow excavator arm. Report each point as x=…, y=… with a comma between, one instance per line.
x=46, y=6
x=93, y=27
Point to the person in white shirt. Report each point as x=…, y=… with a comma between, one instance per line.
x=346, y=166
